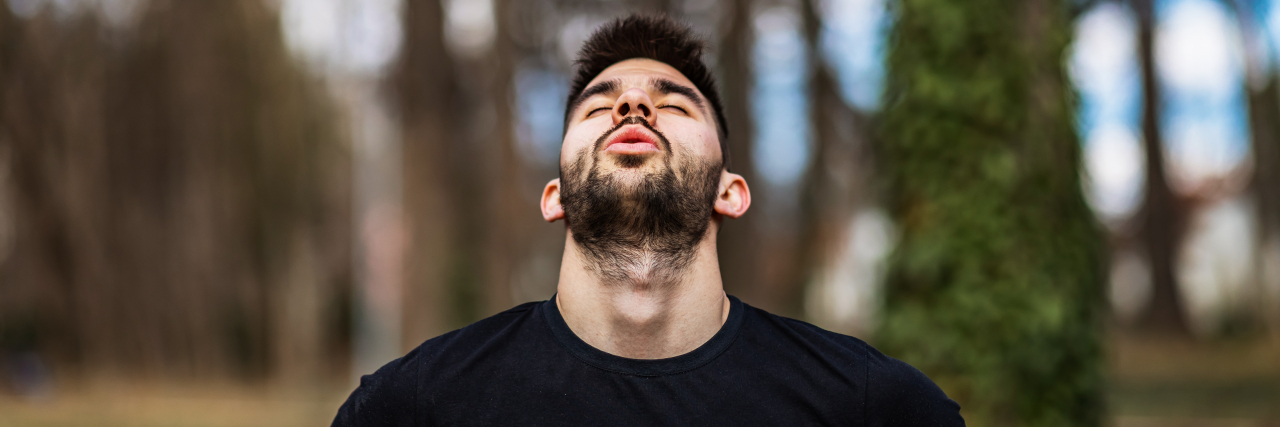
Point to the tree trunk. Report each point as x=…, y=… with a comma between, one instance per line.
x=996, y=287
x=1163, y=215
x=510, y=215
x=426, y=88
x=1264, y=110
x=739, y=239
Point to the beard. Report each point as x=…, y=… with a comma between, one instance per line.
x=640, y=231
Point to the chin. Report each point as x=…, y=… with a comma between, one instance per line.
x=633, y=165
x=634, y=161
x=631, y=161
x=632, y=179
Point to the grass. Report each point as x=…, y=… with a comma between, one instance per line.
x=1194, y=383
x=173, y=405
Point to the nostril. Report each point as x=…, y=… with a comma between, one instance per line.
x=644, y=109
x=624, y=109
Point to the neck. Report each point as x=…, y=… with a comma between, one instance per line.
x=644, y=318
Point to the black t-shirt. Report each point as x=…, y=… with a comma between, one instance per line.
x=526, y=367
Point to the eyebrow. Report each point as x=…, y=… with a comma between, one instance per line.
x=606, y=86
x=667, y=87
x=663, y=86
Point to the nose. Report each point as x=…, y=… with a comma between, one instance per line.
x=634, y=102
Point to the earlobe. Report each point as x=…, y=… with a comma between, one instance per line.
x=551, y=208
x=734, y=197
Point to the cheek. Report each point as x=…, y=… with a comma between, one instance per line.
x=574, y=140
x=711, y=143
x=577, y=139
x=697, y=140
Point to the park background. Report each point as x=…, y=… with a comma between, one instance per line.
x=221, y=213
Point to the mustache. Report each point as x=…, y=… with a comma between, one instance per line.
x=663, y=143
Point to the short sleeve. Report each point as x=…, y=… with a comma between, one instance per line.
x=899, y=395
x=387, y=398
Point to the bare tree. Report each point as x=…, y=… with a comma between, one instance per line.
x=425, y=85
x=1163, y=215
x=1263, y=88
x=739, y=240
x=181, y=191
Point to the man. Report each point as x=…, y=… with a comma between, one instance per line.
x=640, y=331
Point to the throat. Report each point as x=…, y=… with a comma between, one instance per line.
x=641, y=328
x=647, y=324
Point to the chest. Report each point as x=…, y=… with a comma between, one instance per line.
x=572, y=393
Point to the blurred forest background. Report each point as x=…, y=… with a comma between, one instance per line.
x=1067, y=212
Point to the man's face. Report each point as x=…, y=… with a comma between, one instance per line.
x=640, y=171
x=608, y=125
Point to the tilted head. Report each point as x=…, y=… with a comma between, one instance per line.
x=657, y=38
x=643, y=166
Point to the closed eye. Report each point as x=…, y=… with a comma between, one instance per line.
x=593, y=112
x=682, y=110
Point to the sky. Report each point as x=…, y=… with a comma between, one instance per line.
x=1200, y=66
x=1200, y=60
x=345, y=36
x=779, y=97
x=1104, y=67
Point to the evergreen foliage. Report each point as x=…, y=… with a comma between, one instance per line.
x=995, y=289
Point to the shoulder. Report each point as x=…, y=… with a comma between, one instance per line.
x=384, y=398
x=790, y=333
x=471, y=338
x=901, y=395
x=389, y=396
x=896, y=394
x=460, y=344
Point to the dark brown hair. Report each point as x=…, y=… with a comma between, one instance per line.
x=655, y=37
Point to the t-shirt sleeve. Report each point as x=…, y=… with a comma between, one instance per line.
x=385, y=398
x=899, y=395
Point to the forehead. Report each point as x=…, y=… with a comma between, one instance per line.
x=637, y=71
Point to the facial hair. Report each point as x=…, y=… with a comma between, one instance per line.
x=643, y=233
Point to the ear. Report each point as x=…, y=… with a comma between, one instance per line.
x=551, y=208
x=734, y=197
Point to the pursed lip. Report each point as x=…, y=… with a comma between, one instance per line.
x=632, y=139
